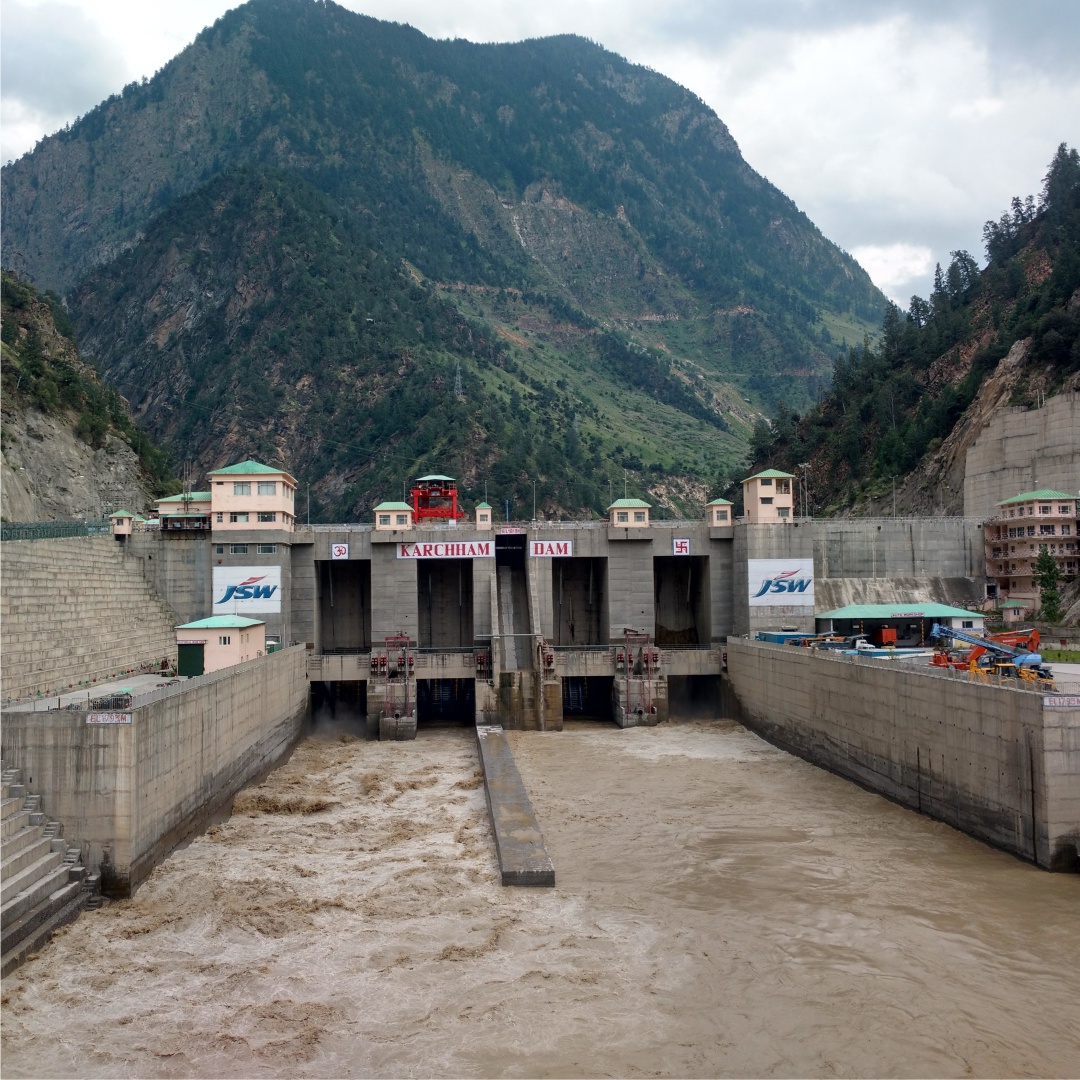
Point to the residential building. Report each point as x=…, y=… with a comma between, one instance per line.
x=1033, y=521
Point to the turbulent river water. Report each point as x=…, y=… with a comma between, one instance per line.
x=721, y=909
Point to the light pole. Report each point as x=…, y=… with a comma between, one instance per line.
x=534, y=500
x=804, y=465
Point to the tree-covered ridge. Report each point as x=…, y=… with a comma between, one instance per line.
x=893, y=402
x=42, y=370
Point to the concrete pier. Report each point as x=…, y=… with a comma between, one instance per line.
x=523, y=858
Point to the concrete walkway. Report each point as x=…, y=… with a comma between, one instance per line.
x=523, y=858
x=128, y=684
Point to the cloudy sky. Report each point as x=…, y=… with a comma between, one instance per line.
x=898, y=126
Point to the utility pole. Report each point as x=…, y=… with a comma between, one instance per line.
x=534, y=500
x=894, y=496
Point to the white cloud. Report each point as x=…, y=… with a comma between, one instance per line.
x=896, y=269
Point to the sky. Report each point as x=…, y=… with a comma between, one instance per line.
x=898, y=126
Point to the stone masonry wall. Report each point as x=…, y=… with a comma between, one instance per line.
x=991, y=761
x=76, y=608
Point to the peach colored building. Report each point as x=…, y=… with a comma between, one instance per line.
x=250, y=495
x=190, y=510
x=718, y=512
x=768, y=498
x=629, y=514
x=217, y=642
x=121, y=523
x=1023, y=526
x=483, y=516
x=391, y=516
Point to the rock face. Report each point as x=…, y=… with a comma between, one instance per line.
x=47, y=473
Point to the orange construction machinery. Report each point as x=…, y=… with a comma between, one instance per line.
x=962, y=659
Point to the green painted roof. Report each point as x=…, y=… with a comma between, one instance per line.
x=891, y=611
x=1031, y=496
x=483, y=506
x=394, y=506
x=771, y=474
x=122, y=513
x=221, y=622
x=194, y=496
x=1015, y=604
x=435, y=476
x=243, y=468
x=623, y=504
x=720, y=502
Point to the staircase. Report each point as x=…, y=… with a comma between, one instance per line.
x=43, y=884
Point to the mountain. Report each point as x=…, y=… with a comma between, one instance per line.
x=70, y=449
x=311, y=229
x=903, y=411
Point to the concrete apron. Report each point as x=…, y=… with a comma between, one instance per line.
x=523, y=858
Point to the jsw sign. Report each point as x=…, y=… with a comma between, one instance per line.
x=247, y=590
x=781, y=582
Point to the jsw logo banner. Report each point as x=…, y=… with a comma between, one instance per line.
x=247, y=590
x=781, y=582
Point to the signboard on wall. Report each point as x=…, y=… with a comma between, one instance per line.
x=680, y=546
x=550, y=549
x=339, y=551
x=247, y=590
x=781, y=582
x=108, y=718
x=451, y=549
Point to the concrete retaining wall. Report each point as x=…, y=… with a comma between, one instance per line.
x=130, y=793
x=77, y=608
x=1023, y=450
x=998, y=763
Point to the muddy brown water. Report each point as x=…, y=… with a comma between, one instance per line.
x=722, y=909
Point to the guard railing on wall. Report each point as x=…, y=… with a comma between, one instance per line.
x=51, y=530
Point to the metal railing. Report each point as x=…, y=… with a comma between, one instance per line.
x=52, y=530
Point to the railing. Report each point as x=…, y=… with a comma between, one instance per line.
x=928, y=671
x=52, y=530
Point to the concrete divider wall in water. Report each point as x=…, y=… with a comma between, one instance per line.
x=1000, y=763
x=130, y=792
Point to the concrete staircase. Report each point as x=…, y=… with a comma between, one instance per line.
x=75, y=609
x=42, y=884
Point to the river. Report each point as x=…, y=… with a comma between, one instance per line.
x=721, y=909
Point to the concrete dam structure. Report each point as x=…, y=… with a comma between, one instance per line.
x=527, y=623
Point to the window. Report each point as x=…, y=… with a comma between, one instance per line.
x=1064, y=509
x=238, y=549
x=721, y=515
x=1066, y=530
x=403, y=519
x=483, y=517
x=266, y=487
x=219, y=549
x=622, y=515
x=639, y=516
x=241, y=487
x=266, y=549
x=224, y=639
x=967, y=624
x=384, y=519
x=1012, y=513
x=767, y=502
x=766, y=481
x=241, y=518
x=221, y=517
x=1031, y=530
x=1044, y=509
x=783, y=487
x=267, y=515
x=1046, y=530
x=782, y=511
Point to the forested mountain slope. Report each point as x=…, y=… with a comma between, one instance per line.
x=572, y=241
x=902, y=411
